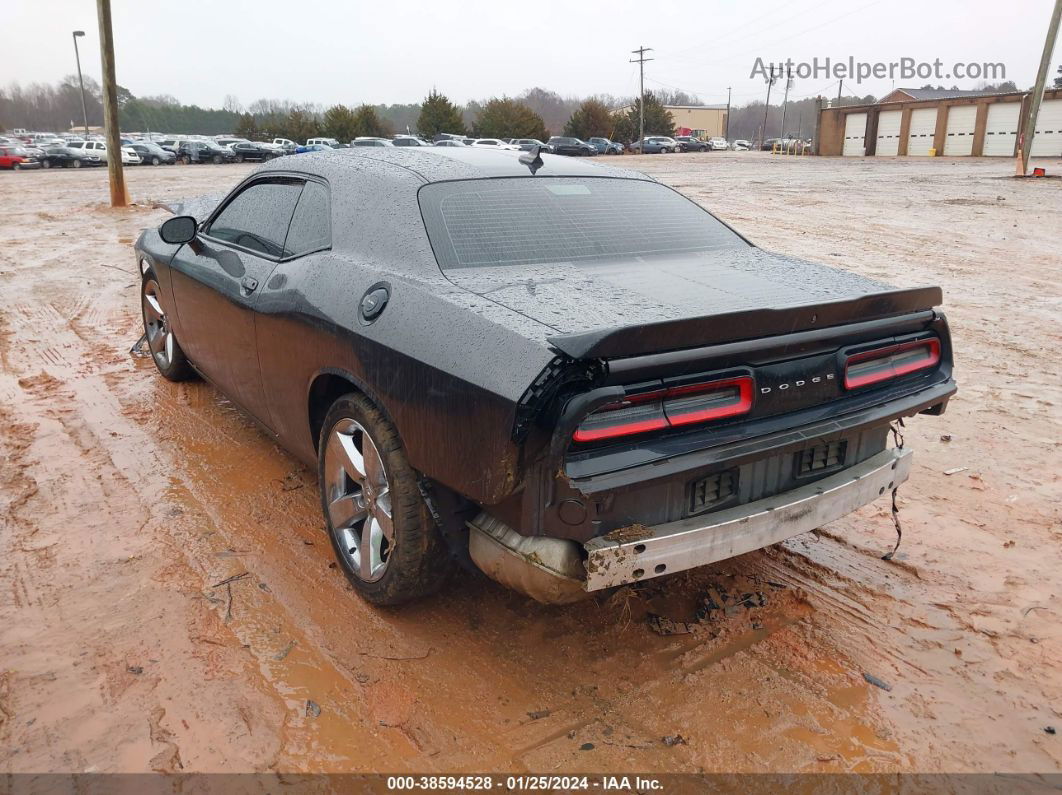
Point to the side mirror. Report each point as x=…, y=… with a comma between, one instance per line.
x=179, y=230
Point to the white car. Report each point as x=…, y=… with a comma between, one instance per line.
x=741, y=145
x=130, y=156
x=718, y=144
x=494, y=143
x=332, y=142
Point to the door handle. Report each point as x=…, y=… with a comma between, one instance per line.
x=249, y=284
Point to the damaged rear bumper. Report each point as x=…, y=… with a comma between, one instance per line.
x=555, y=570
x=700, y=540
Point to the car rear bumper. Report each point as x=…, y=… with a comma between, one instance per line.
x=640, y=553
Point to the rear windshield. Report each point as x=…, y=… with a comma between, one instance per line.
x=537, y=220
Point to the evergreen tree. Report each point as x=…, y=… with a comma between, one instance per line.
x=658, y=120
x=246, y=127
x=300, y=126
x=439, y=115
x=507, y=118
x=367, y=123
x=591, y=120
x=339, y=123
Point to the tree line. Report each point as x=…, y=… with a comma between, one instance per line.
x=536, y=113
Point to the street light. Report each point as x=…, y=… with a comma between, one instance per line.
x=84, y=110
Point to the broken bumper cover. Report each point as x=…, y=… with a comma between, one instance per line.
x=700, y=540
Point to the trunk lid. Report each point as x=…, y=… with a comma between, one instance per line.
x=653, y=304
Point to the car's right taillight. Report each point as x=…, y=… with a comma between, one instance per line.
x=892, y=361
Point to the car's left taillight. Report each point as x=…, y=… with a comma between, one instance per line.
x=892, y=361
x=669, y=407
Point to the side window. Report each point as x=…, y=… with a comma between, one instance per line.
x=311, y=226
x=258, y=217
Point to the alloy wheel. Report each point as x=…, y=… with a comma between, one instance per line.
x=159, y=334
x=358, y=500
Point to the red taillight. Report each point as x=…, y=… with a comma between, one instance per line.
x=668, y=408
x=872, y=367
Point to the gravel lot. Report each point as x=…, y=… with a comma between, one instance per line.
x=125, y=500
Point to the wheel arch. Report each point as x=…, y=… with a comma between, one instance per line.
x=328, y=385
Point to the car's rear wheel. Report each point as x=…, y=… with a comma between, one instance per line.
x=76, y=163
x=155, y=160
x=217, y=160
x=16, y=167
x=166, y=352
x=46, y=163
x=383, y=534
x=239, y=158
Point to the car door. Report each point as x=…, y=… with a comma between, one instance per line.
x=218, y=277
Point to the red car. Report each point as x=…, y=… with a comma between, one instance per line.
x=9, y=158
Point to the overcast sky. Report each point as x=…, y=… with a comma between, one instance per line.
x=329, y=51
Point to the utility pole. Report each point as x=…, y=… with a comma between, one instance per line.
x=727, y=133
x=119, y=198
x=767, y=107
x=840, y=86
x=785, y=100
x=1032, y=107
x=640, y=60
x=77, y=56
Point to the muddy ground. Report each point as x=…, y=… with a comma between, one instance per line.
x=125, y=500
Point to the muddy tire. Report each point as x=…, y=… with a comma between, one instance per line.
x=383, y=534
x=162, y=342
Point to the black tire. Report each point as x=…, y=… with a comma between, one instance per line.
x=176, y=367
x=46, y=163
x=76, y=163
x=239, y=158
x=419, y=562
x=155, y=160
x=16, y=166
x=217, y=160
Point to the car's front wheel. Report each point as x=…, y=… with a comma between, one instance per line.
x=16, y=167
x=382, y=532
x=46, y=163
x=155, y=160
x=76, y=164
x=166, y=352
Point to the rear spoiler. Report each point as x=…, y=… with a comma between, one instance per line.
x=746, y=324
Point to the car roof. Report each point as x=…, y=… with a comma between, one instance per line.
x=441, y=164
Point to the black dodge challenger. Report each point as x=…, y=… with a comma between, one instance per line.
x=568, y=375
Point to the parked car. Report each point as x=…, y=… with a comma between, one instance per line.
x=718, y=144
x=687, y=143
x=153, y=154
x=249, y=150
x=228, y=140
x=605, y=146
x=527, y=144
x=447, y=137
x=15, y=158
x=63, y=156
x=301, y=150
x=656, y=144
x=130, y=156
x=408, y=140
x=494, y=143
x=87, y=156
x=461, y=401
x=449, y=142
x=201, y=151
x=563, y=145
x=369, y=141
x=330, y=142
x=741, y=145
x=286, y=144
x=96, y=149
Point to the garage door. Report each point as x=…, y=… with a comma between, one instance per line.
x=1048, y=139
x=960, y=132
x=1001, y=130
x=923, y=127
x=855, y=133
x=888, y=132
